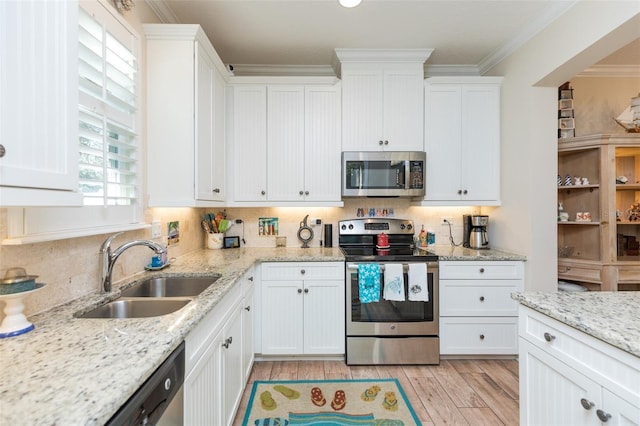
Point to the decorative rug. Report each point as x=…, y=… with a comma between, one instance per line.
x=329, y=402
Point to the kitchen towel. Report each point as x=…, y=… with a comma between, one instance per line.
x=418, y=290
x=393, y=282
x=369, y=282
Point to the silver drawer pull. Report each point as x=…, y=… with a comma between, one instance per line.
x=481, y=270
x=482, y=298
x=604, y=417
x=586, y=404
x=549, y=337
x=482, y=337
x=247, y=308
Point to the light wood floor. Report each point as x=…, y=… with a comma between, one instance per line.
x=456, y=392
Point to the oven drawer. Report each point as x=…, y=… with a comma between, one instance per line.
x=486, y=270
x=287, y=271
x=478, y=336
x=468, y=298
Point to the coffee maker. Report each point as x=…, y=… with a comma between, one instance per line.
x=474, y=228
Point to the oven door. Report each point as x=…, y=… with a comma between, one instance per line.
x=391, y=318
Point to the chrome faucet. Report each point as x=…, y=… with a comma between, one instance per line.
x=108, y=258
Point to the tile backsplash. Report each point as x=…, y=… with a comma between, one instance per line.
x=69, y=267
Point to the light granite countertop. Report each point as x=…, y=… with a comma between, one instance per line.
x=448, y=252
x=609, y=316
x=73, y=371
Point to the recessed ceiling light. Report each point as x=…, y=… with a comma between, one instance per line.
x=349, y=3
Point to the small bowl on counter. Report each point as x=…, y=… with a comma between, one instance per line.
x=16, y=280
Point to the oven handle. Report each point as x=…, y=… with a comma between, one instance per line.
x=405, y=266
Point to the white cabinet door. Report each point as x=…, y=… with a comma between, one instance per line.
x=480, y=168
x=204, y=123
x=203, y=387
x=362, y=109
x=248, y=351
x=302, y=308
x=232, y=370
x=382, y=108
x=322, y=150
x=285, y=142
x=209, y=127
x=552, y=393
x=185, y=119
x=462, y=140
x=404, y=109
x=39, y=103
x=282, y=310
x=250, y=142
x=324, y=317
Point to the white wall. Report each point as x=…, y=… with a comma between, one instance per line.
x=587, y=33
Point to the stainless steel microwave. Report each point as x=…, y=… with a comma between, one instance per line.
x=383, y=174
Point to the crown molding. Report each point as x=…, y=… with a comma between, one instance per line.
x=611, y=71
x=163, y=11
x=283, y=70
x=524, y=35
x=451, y=70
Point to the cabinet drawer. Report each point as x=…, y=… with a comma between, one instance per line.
x=481, y=270
x=470, y=298
x=585, y=273
x=478, y=336
x=302, y=271
x=610, y=366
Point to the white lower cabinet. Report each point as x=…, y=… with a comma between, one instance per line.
x=302, y=308
x=248, y=352
x=216, y=365
x=477, y=314
x=569, y=378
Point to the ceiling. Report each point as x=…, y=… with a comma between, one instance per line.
x=269, y=36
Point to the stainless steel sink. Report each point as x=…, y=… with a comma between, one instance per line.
x=170, y=287
x=138, y=308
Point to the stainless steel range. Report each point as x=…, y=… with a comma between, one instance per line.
x=392, y=294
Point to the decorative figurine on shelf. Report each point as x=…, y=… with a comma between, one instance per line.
x=634, y=212
x=620, y=180
x=567, y=180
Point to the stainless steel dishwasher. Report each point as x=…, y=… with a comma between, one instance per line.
x=159, y=400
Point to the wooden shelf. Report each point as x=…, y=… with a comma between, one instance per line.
x=570, y=187
x=627, y=222
x=580, y=222
x=627, y=187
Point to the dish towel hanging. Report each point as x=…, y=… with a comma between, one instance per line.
x=418, y=290
x=369, y=282
x=393, y=282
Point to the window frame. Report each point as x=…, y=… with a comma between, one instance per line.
x=36, y=224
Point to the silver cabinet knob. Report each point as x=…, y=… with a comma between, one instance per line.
x=386, y=142
x=482, y=298
x=216, y=190
x=586, y=404
x=247, y=308
x=380, y=142
x=301, y=192
x=306, y=192
x=549, y=337
x=306, y=291
x=263, y=192
x=459, y=191
x=302, y=271
x=482, y=337
x=2, y=151
x=299, y=291
x=465, y=192
x=481, y=270
x=250, y=279
x=603, y=416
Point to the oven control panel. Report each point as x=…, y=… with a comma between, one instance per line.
x=375, y=226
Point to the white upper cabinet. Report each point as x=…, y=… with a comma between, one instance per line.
x=185, y=117
x=462, y=140
x=285, y=139
x=382, y=102
x=248, y=141
x=39, y=103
